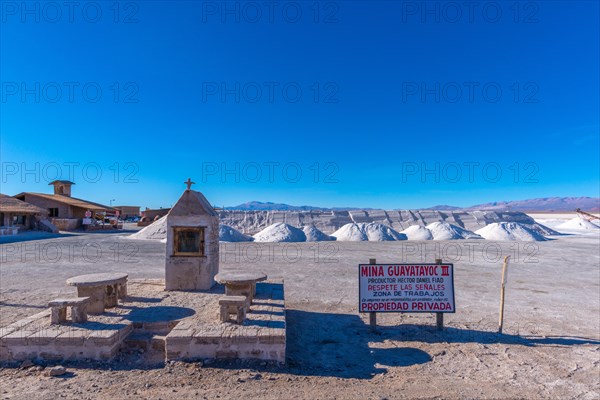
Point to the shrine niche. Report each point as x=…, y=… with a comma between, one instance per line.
x=192, y=258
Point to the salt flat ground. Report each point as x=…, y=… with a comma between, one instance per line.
x=555, y=221
x=550, y=347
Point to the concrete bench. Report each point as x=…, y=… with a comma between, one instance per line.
x=104, y=289
x=233, y=305
x=241, y=284
x=59, y=309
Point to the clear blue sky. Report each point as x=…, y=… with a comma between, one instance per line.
x=387, y=89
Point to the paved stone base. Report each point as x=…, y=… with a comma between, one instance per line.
x=188, y=321
x=261, y=336
x=34, y=337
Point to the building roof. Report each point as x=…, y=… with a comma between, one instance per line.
x=61, y=181
x=9, y=204
x=192, y=202
x=72, y=201
x=205, y=203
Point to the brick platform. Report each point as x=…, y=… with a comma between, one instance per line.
x=188, y=321
x=99, y=338
x=261, y=336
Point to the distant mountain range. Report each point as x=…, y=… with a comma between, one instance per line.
x=443, y=208
x=260, y=206
x=541, y=204
x=544, y=204
x=269, y=206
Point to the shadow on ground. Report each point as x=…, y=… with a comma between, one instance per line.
x=157, y=313
x=337, y=345
x=108, y=231
x=429, y=334
x=21, y=305
x=334, y=345
x=33, y=235
x=342, y=345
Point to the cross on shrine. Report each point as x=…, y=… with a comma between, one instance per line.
x=189, y=183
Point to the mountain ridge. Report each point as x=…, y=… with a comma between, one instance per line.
x=537, y=204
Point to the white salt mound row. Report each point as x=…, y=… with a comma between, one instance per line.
x=509, y=231
x=228, y=234
x=350, y=233
x=446, y=231
x=417, y=232
x=280, y=232
x=362, y=232
x=578, y=224
x=158, y=231
x=315, y=235
x=379, y=232
x=155, y=231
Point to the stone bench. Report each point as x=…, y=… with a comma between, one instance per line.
x=104, y=289
x=233, y=305
x=241, y=284
x=59, y=309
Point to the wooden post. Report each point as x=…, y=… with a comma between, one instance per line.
x=502, y=288
x=439, y=317
x=372, y=315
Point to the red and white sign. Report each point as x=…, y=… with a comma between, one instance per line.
x=88, y=214
x=406, y=288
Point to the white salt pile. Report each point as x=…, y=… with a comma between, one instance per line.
x=315, y=235
x=417, y=232
x=280, y=232
x=379, y=232
x=350, y=233
x=362, y=232
x=578, y=224
x=228, y=234
x=509, y=231
x=158, y=231
x=155, y=231
x=446, y=231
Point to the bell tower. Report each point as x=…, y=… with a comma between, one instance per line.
x=62, y=187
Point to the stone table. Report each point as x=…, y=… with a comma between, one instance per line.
x=103, y=289
x=241, y=283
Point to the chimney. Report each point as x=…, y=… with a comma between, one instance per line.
x=62, y=187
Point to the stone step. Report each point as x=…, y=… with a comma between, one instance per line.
x=157, y=343
x=138, y=340
x=146, y=341
x=157, y=327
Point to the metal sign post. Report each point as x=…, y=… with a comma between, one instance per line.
x=439, y=317
x=373, y=315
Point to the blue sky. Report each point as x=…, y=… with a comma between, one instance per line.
x=322, y=103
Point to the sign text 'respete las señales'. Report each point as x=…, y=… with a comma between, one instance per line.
x=406, y=288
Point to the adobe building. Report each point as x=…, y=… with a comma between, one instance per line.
x=17, y=216
x=149, y=216
x=153, y=214
x=64, y=211
x=128, y=211
x=192, y=253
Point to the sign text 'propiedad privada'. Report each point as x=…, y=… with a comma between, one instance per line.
x=406, y=288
